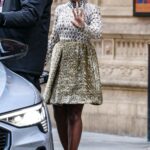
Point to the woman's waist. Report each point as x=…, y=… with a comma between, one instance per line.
x=74, y=42
x=72, y=45
x=80, y=41
x=74, y=38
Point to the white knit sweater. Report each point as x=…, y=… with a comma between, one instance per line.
x=63, y=29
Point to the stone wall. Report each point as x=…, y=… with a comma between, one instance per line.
x=122, y=54
x=123, y=63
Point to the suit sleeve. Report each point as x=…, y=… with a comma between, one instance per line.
x=28, y=15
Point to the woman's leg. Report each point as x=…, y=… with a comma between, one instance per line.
x=60, y=114
x=75, y=125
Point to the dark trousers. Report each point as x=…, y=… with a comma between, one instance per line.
x=34, y=79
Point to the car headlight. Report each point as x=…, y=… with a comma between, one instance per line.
x=27, y=117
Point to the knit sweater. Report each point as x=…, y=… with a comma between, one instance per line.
x=63, y=29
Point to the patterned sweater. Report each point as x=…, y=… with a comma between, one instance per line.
x=63, y=29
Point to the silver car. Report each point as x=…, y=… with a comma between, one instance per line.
x=24, y=119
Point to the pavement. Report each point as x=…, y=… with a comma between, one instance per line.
x=96, y=141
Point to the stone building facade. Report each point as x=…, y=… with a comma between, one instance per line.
x=123, y=56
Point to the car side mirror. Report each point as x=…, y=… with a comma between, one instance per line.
x=12, y=49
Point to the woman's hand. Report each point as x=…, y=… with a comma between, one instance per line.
x=78, y=17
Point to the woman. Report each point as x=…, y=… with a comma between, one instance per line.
x=74, y=74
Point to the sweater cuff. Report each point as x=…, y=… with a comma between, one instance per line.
x=86, y=28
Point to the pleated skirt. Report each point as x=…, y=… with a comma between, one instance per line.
x=73, y=75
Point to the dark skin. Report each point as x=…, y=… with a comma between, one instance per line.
x=78, y=13
x=68, y=116
x=69, y=124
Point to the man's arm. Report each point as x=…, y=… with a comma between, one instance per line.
x=31, y=11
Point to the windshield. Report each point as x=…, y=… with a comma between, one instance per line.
x=11, y=48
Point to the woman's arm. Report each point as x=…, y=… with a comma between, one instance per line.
x=54, y=37
x=94, y=28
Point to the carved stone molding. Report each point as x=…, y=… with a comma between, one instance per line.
x=122, y=49
x=130, y=49
x=123, y=74
x=123, y=62
x=108, y=48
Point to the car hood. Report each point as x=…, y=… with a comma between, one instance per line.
x=15, y=91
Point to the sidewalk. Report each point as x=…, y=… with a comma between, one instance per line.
x=95, y=141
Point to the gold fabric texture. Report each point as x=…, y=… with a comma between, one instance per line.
x=74, y=75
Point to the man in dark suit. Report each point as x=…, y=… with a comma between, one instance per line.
x=27, y=21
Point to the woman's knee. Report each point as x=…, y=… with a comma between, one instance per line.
x=59, y=112
x=74, y=117
x=74, y=113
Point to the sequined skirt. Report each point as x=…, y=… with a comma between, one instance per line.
x=74, y=75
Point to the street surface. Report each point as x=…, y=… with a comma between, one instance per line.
x=95, y=141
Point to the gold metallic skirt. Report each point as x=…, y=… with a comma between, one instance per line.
x=74, y=75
